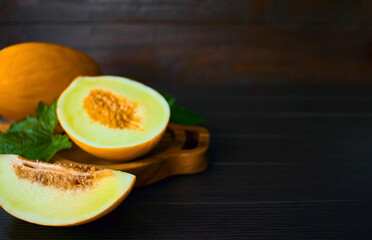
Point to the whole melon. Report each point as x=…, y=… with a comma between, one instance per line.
x=34, y=71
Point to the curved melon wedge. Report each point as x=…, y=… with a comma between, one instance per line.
x=59, y=195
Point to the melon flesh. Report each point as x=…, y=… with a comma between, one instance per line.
x=88, y=110
x=58, y=195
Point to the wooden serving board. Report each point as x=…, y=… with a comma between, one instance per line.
x=182, y=150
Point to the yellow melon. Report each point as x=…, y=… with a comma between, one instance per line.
x=58, y=195
x=34, y=71
x=113, y=117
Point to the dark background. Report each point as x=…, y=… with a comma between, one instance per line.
x=203, y=41
x=285, y=86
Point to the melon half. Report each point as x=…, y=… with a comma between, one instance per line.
x=113, y=117
x=59, y=195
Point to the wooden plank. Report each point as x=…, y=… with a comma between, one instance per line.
x=319, y=220
x=321, y=12
x=214, y=54
x=324, y=126
x=267, y=182
x=279, y=92
x=188, y=11
x=264, y=106
x=249, y=100
x=266, y=149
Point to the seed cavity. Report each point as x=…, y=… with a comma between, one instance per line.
x=65, y=177
x=113, y=111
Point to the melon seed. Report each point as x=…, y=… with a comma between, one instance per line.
x=112, y=110
x=57, y=175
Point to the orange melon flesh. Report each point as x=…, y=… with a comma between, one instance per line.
x=39, y=193
x=113, y=117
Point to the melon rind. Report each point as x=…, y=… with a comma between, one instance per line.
x=46, y=205
x=31, y=72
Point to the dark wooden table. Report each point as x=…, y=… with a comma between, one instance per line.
x=286, y=162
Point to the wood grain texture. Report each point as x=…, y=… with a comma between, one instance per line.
x=214, y=54
x=298, y=169
x=313, y=220
x=287, y=161
x=209, y=42
x=187, y=11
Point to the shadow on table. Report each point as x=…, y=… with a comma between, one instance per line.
x=123, y=220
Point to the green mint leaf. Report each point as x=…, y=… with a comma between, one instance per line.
x=171, y=100
x=33, y=137
x=182, y=115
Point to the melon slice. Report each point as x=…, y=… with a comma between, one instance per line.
x=59, y=195
x=113, y=117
